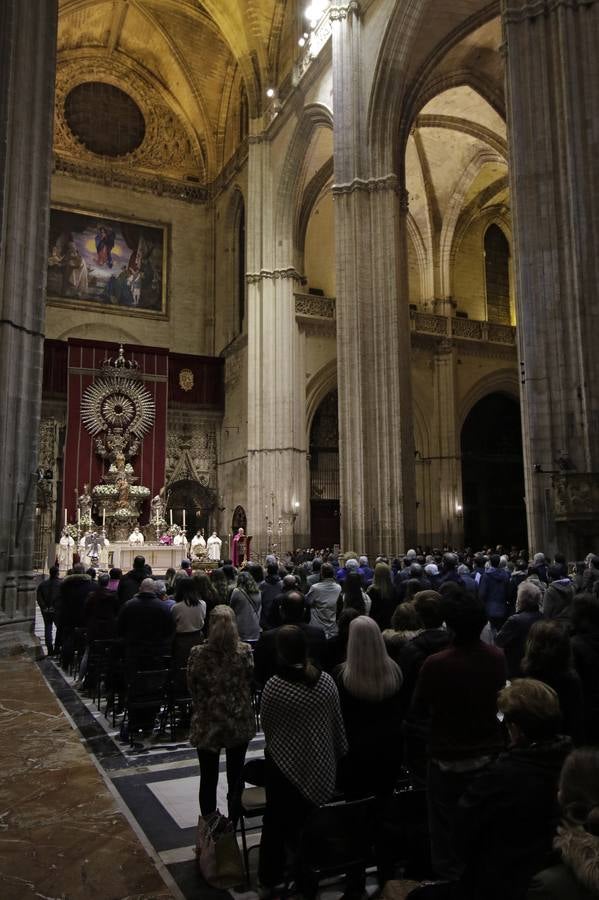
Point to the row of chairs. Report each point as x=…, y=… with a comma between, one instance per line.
x=345, y=836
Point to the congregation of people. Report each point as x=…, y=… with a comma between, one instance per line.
x=472, y=676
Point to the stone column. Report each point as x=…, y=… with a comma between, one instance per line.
x=552, y=78
x=27, y=68
x=447, y=468
x=276, y=374
x=376, y=442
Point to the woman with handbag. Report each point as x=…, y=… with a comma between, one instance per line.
x=219, y=675
x=246, y=602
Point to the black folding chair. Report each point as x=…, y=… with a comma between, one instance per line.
x=146, y=697
x=250, y=804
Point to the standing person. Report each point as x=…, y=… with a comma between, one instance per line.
x=352, y=596
x=219, y=675
x=575, y=873
x=591, y=574
x=71, y=603
x=189, y=611
x=47, y=599
x=558, y=596
x=512, y=637
x=507, y=817
x=383, y=596
x=458, y=688
x=246, y=604
x=585, y=648
x=322, y=600
x=305, y=738
x=129, y=584
x=548, y=658
x=369, y=684
x=493, y=590
x=270, y=588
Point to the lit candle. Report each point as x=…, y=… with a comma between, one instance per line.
x=171, y=515
x=183, y=520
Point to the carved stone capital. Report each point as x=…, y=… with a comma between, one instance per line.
x=274, y=275
x=370, y=185
x=517, y=11
x=339, y=11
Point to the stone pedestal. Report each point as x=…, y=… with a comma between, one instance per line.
x=552, y=75
x=27, y=67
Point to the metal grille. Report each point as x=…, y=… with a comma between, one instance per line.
x=324, y=474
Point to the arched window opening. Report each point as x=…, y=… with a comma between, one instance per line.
x=243, y=114
x=497, y=275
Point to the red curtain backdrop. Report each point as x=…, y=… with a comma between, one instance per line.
x=208, y=389
x=81, y=463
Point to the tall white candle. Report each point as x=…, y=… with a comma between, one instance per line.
x=78, y=517
x=183, y=520
x=171, y=515
x=66, y=518
x=103, y=518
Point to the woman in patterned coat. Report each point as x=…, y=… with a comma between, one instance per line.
x=219, y=675
x=305, y=738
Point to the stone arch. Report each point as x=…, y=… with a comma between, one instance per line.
x=288, y=209
x=503, y=381
x=239, y=519
x=455, y=208
x=321, y=384
x=390, y=108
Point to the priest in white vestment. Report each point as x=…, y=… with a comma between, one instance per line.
x=214, y=545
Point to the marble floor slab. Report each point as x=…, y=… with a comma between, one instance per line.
x=63, y=834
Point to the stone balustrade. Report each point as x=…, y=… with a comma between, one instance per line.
x=313, y=307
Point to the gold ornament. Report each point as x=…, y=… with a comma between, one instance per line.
x=186, y=379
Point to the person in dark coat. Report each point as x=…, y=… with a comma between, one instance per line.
x=513, y=635
x=548, y=658
x=574, y=872
x=507, y=817
x=270, y=588
x=147, y=628
x=558, y=596
x=71, y=598
x=431, y=640
x=100, y=612
x=47, y=600
x=293, y=610
x=493, y=591
x=129, y=583
x=585, y=650
x=590, y=576
x=383, y=595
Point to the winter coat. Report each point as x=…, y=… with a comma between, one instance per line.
x=100, y=615
x=71, y=599
x=247, y=612
x=493, y=591
x=512, y=638
x=412, y=656
x=270, y=588
x=558, y=599
x=585, y=648
x=382, y=608
x=590, y=578
x=575, y=875
x=506, y=821
x=220, y=687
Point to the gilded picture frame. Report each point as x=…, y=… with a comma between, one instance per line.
x=107, y=263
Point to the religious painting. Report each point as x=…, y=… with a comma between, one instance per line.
x=102, y=263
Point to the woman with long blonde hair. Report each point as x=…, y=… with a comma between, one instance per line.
x=219, y=674
x=369, y=684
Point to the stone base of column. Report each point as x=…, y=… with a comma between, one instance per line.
x=18, y=637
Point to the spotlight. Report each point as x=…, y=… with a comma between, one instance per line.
x=302, y=42
x=270, y=93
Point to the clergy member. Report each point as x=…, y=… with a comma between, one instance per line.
x=214, y=545
x=136, y=537
x=239, y=548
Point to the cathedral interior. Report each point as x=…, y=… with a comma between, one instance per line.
x=347, y=251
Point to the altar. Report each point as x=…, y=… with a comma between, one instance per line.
x=159, y=556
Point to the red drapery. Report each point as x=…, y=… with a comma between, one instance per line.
x=81, y=463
